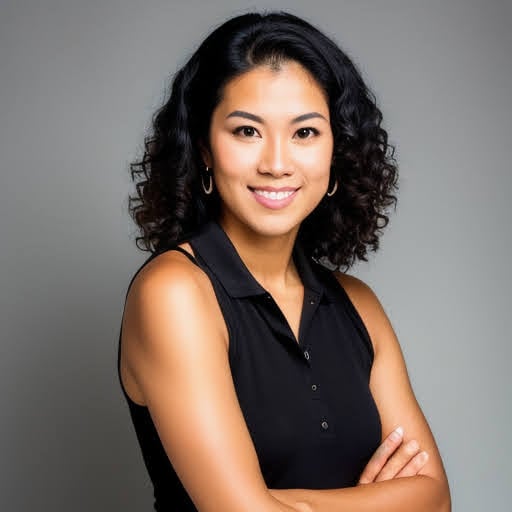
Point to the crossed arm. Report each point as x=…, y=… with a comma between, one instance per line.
x=201, y=424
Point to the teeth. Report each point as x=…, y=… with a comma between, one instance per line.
x=273, y=195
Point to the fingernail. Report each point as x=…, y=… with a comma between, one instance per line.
x=424, y=456
x=397, y=434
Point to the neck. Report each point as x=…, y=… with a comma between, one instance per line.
x=268, y=258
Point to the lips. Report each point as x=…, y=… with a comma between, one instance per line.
x=272, y=197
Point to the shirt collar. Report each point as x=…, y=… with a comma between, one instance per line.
x=219, y=254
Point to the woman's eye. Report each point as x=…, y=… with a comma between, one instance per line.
x=306, y=133
x=246, y=131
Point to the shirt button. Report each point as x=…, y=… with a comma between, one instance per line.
x=313, y=387
x=306, y=354
x=311, y=301
x=325, y=425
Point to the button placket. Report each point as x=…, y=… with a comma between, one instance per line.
x=321, y=418
x=321, y=422
x=311, y=303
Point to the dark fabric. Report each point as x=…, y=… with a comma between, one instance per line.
x=307, y=403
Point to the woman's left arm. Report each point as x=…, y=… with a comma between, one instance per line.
x=427, y=491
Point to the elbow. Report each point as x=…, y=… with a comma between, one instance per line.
x=437, y=493
x=445, y=501
x=446, y=506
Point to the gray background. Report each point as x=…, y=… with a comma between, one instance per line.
x=78, y=84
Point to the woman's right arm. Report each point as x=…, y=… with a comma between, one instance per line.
x=175, y=348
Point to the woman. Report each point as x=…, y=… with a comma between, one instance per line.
x=257, y=379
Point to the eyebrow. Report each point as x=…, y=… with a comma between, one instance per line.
x=258, y=119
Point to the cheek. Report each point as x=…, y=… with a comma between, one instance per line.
x=317, y=163
x=231, y=158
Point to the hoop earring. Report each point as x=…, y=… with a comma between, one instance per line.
x=207, y=190
x=331, y=193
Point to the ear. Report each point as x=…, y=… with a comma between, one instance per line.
x=205, y=154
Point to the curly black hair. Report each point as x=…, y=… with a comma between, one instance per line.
x=169, y=204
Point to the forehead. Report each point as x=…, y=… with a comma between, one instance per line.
x=291, y=87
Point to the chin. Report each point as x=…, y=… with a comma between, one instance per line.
x=264, y=224
x=273, y=226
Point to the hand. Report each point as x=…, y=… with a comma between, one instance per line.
x=394, y=459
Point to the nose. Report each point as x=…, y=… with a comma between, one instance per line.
x=275, y=158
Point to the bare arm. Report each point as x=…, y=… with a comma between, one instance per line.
x=175, y=348
x=428, y=490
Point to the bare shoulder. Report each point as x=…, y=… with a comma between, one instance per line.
x=168, y=272
x=167, y=298
x=169, y=279
x=172, y=286
x=352, y=285
x=367, y=305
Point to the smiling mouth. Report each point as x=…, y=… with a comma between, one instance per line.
x=282, y=194
x=275, y=199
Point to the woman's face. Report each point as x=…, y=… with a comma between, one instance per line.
x=270, y=149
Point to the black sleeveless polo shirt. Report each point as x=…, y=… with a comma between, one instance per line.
x=306, y=402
